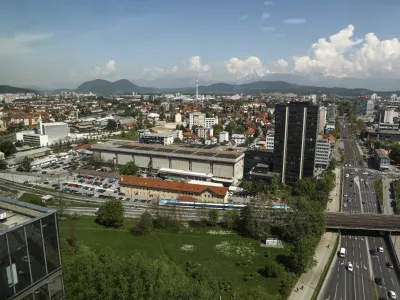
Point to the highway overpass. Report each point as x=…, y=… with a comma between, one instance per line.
x=362, y=221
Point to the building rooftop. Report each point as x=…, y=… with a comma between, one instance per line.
x=18, y=213
x=381, y=153
x=171, y=186
x=54, y=123
x=178, y=151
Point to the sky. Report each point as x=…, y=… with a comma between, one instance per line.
x=63, y=43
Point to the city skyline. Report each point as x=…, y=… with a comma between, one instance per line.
x=64, y=45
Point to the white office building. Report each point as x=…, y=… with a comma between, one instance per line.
x=331, y=112
x=55, y=130
x=203, y=132
x=269, y=142
x=238, y=138
x=323, y=153
x=387, y=116
x=210, y=122
x=195, y=118
x=223, y=136
x=199, y=119
x=322, y=118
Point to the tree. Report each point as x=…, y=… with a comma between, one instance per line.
x=3, y=164
x=111, y=125
x=144, y=225
x=230, y=127
x=7, y=147
x=217, y=129
x=395, y=154
x=61, y=207
x=19, y=143
x=130, y=169
x=256, y=218
x=21, y=125
x=72, y=238
x=240, y=130
x=110, y=214
x=231, y=218
x=213, y=217
x=26, y=164
x=302, y=255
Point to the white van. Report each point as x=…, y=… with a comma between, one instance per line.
x=342, y=252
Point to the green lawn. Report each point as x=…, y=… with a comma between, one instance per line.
x=240, y=255
x=31, y=198
x=127, y=135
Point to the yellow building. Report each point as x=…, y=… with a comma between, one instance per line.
x=155, y=188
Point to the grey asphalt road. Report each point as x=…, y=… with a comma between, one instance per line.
x=361, y=197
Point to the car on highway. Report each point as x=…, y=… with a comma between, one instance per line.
x=382, y=298
x=347, y=175
x=345, y=195
x=365, y=173
x=373, y=251
x=392, y=295
x=380, y=249
x=350, y=267
x=389, y=265
x=378, y=280
x=345, y=165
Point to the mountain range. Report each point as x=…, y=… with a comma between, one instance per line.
x=4, y=89
x=125, y=86
x=248, y=84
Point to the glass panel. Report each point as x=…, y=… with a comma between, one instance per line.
x=42, y=293
x=51, y=243
x=56, y=288
x=35, y=248
x=19, y=259
x=6, y=290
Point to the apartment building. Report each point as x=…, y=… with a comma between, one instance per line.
x=323, y=153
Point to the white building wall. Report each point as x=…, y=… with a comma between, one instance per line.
x=270, y=142
x=223, y=136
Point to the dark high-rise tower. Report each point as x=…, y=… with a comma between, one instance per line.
x=295, y=140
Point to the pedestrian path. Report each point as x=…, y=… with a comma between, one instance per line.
x=307, y=283
x=334, y=199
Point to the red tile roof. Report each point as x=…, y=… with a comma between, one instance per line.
x=171, y=186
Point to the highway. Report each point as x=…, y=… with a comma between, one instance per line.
x=359, y=197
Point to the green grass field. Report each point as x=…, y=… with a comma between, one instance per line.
x=31, y=198
x=236, y=257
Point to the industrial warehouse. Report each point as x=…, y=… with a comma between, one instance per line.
x=225, y=166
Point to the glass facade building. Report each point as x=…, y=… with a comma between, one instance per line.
x=296, y=131
x=30, y=260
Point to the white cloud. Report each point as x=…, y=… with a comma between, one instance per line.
x=344, y=55
x=294, y=21
x=195, y=65
x=21, y=42
x=265, y=15
x=268, y=2
x=268, y=29
x=109, y=68
x=251, y=65
x=281, y=66
x=243, y=17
